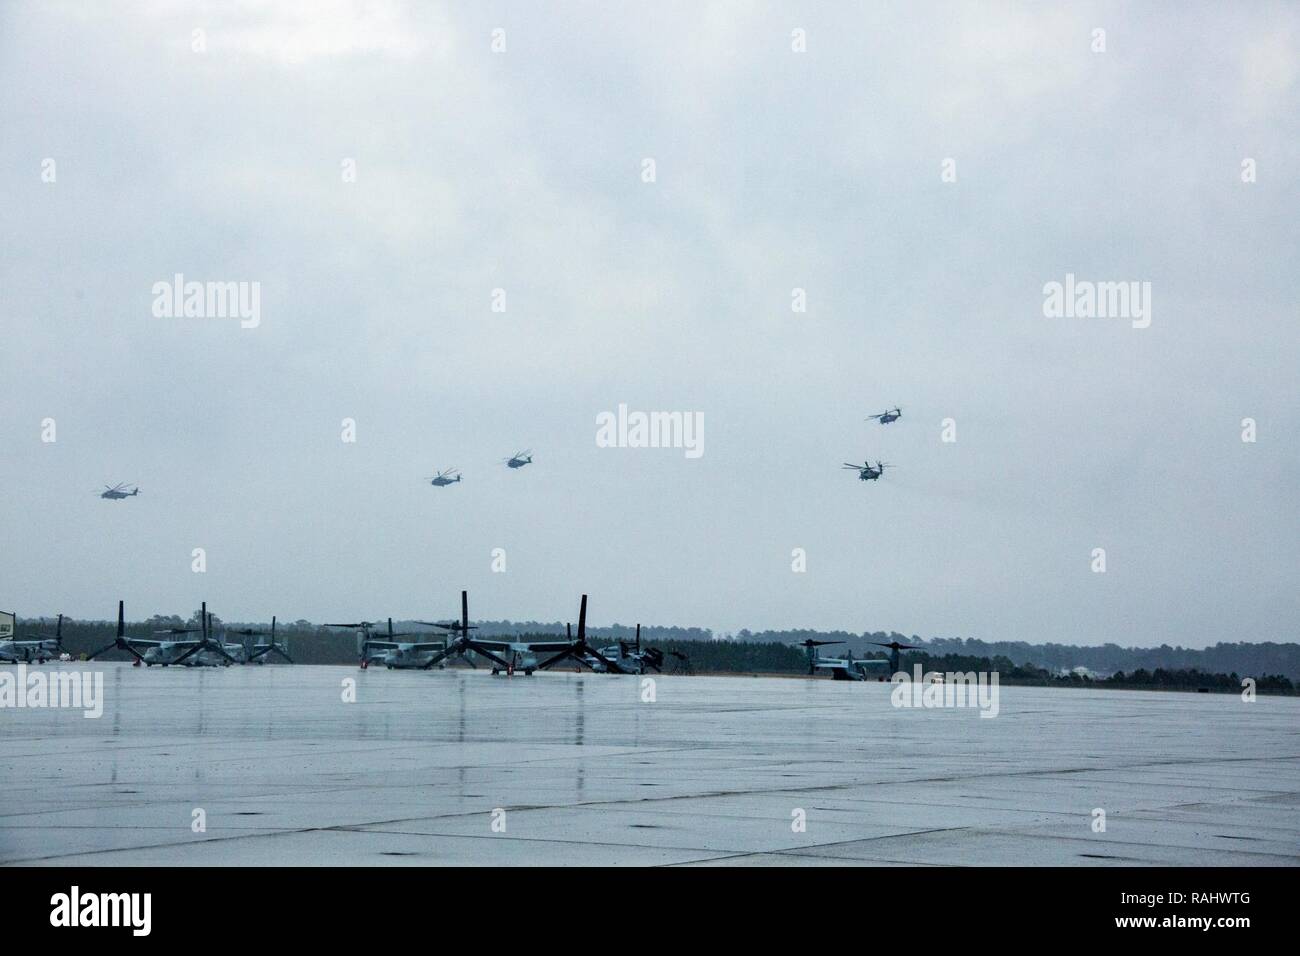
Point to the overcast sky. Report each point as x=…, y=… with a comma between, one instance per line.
x=774, y=170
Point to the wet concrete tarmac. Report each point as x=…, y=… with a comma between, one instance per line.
x=713, y=771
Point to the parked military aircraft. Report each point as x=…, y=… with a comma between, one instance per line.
x=188, y=652
x=846, y=668
x=894, y=648
x=118, y=491
x=582, y=652
x=841, y=668
x=120, y=642
x=523, y=656
x=810, y=649
x=40, y=649
x=887, y=416
x=167, y=652
x=258, y=652
x=520, y=458
x=218, y=652
x=363, y=629
x=400, y=654
x=634, y=659
x=206, y=651
x=236, y=652
x=506, y=656
x=155, y=652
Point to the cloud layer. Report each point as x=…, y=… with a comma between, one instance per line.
x=775, y=170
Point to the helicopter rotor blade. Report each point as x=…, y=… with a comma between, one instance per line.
x=119, y=641
x=555, y=659
x=190, y=653
x=437, y=657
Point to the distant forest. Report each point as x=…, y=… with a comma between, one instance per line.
x=774, y=652
x=1266, y=657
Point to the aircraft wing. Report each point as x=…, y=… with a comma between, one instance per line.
x=549, y=647
x=535, y=647
x=492, y=645
x=395, y=645
x=138, y=642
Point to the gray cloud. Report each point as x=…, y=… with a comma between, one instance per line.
x=775, y=170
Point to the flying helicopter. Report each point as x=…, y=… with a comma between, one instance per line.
x=519, y=459
x=443, y=478
x=867, y=472
x=887, y=416
x=118, y=491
